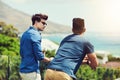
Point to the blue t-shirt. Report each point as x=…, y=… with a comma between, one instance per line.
x=70, y=54
x=30, y=50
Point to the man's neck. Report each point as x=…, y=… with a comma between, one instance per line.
x=34, y=26
x=79, y=34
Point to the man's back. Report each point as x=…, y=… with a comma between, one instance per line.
x=70, y=54
x=26, y=51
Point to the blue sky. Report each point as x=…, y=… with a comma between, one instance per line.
x=99, y=15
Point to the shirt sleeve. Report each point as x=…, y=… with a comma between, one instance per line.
x=36, y=43
x=89, y=48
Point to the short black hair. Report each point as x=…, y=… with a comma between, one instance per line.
x=38, y=17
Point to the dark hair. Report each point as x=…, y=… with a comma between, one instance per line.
x=78, y=25
x=38, y=17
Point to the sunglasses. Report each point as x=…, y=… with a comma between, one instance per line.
x=44, y=23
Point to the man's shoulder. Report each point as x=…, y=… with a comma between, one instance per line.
x=32, y=31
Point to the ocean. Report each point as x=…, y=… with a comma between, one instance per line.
x=101, y=42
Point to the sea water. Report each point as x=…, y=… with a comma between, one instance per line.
x=101, y=42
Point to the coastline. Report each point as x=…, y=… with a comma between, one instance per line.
x=99, y=44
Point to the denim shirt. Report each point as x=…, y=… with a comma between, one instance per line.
x=70, y=54
x=30, y=50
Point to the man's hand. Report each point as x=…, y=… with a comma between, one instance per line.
x=85, y=60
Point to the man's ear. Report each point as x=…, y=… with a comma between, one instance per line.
x=84, y=30
x=36, y=21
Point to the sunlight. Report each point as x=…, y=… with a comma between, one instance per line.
x=112, y=15
x=113, y=8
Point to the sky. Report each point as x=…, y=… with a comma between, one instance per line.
x=99, y=15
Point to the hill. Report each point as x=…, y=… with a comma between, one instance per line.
x=22, y=20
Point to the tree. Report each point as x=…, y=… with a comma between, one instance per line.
x=8, y=30
x=9, y=58
x=3, y=67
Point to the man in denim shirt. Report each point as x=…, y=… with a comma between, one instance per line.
x=71, y=53
x=30, y=48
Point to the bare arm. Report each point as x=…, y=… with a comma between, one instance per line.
x=46, y=59
x=93, y=62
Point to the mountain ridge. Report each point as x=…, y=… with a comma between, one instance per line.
x=22, y=21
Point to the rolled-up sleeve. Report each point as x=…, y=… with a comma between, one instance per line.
x=36, y=43
x=89, y=48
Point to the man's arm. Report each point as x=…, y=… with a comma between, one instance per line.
x=92, y=60
x=46, y=59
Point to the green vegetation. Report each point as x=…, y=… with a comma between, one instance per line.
x=111, y=58
x=86, y=73
x=100, y=57
x=9, y=52
x=8, y=30
x=9, y=57
x=10, y=60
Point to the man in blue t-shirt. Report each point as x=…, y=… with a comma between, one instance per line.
x=70, y=54
x=30, y=48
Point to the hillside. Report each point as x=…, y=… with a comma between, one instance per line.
x=22, y=21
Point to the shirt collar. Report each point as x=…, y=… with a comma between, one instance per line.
x=32, y=27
